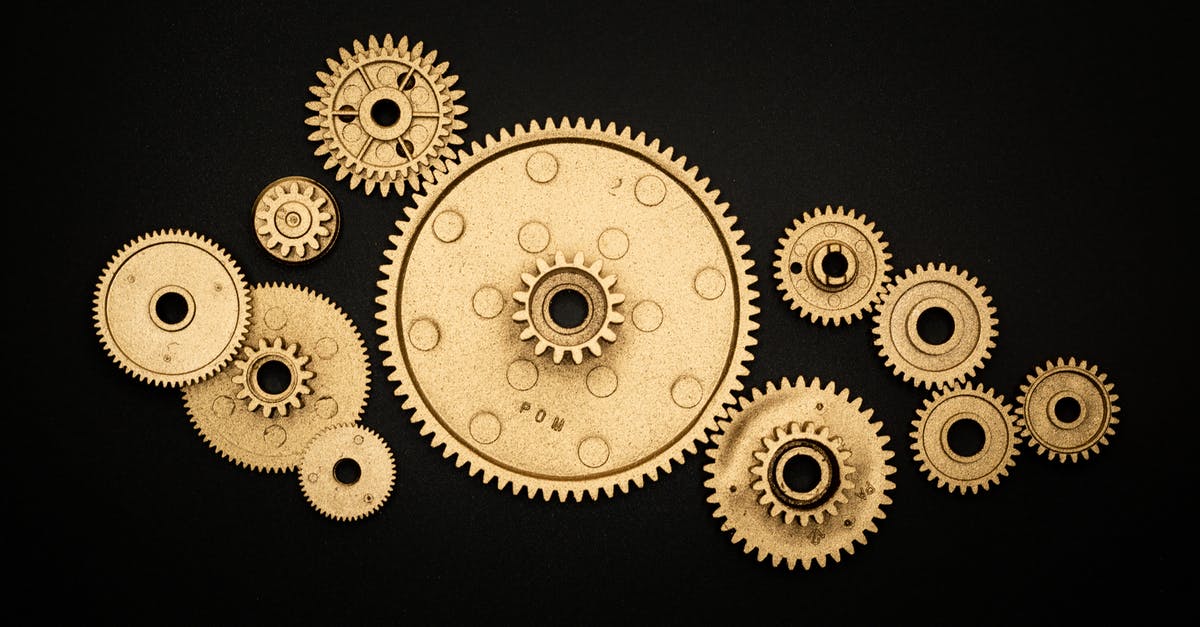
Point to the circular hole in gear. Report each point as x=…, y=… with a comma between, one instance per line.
x=835, y=265
x=1067, y=410
x=568, y=308
x=385, y=112
x=801, y=473
x=935, y=326
x=273, y=377
x=796, y=267
x=171, y=307
x=347, y=471
x=966, y=437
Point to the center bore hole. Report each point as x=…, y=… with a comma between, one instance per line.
x=273, y=377
x=1067, y=409
x=801, y=473
x=835, y=265
x=385, y=112
x=347, y=471
x=966, y=437
x=171, y=307
x=568, y=308
x=935, y=325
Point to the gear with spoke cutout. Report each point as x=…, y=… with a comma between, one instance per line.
x=347, y=472
x=1067, y=409
x=803, y=495
x=561, y=280
x=296, y=219
x=965, y=438
x=259, y=389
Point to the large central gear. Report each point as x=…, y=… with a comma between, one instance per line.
x=459, y=304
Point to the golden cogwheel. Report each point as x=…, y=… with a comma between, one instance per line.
x=970, y=460
x=831, y=265
x=853, y=457
x=386, y=115
x=921, y=295
x=470, y=282
x=301, y=352
x=1067, y=409
x=296, y=219
x=171, y=308
x=347, y=472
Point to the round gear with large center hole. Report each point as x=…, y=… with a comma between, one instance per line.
x=229, y=409
x=832, y=265
x=736, y=454
x=385, y=115
x=1067, y=409
x=831, y=473
x=347, y=472
x=466, y=264
x=938, y=450
x=296, y=219
x=910, y=345
x=171, y=308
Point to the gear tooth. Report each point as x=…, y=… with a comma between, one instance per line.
x=325, y=78
x=418, y=48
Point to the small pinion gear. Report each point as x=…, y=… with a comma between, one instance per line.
x=942, y=456
x=258, y=395
x=347, y=472
x=830, y=459
x=1067, y=409
x=296, y=219
x=570, y=276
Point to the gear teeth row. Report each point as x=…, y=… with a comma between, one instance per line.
x=1089, y=396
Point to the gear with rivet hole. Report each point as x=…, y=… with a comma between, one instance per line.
x=347, y=472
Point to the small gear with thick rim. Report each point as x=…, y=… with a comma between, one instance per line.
x=571, y=276
x=1067, y=409
x=347, y=472
x=296, y=219
x=386, y=115
x=830, y=461
x=261, y=397
x=957, y=407
x=832, y=265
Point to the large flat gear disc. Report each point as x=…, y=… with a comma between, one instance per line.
x=322, y=380
x=468, y=310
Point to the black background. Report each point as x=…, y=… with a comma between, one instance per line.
x=1024, y=143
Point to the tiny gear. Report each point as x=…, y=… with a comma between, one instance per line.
x=855, y=459
x=829, y=460
x=171, y=308
x=347, y=472
x=832, y=265
x=939, y=450
x=1067, y=409
x=296, y=219
x=922, y=295
x=304, y=368
x=559, y=401
x=386, y=115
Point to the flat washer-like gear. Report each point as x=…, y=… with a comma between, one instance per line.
x=832, y=265
x=957, y=406
x=385, y=115
x=831, y=468
x=539, y=296
x=296, y=219
x=929, y=291
x=330, y=360
x=347, y=472
x=732, y=477
x=171, y=308
x=1067, y=409
x=455, y=276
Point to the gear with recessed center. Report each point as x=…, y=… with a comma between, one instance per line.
x=289, y=392
x=658, y=338
x=347, y=472
x=830, y=462
x=940, y=454
x=1067, y=409
x=296, y=219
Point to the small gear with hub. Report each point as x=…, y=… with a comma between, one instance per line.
x=1067, y=409
x=347, y=472
x=907, y=326
x=296, y=219
x=564, y=279
x=271, y=397
x=171, y=308
x=842, y=499
x=386, y=115
x=832, y=265
x=965, y=438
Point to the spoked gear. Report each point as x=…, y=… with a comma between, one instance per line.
x=832, y=265
x=930, y=291
x=296, y=219
x=450, y=292
x=965, y=407
x=232, y=410
x=347, y=472
x=386, y=115
x=1067, y=409
x=171, y=308
x=831, y=462
x=558, y=278
x=736, y=453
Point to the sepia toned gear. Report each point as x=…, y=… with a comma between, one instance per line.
x=386, y=116
x=958, y=406
x=928, y=291
x=735, y=456
x=832, y=265
x=330, y=359
x=830, y=460
x=171, y=308
x=452, y=334
x=571, y=276
x=296, y=219
x=347, y=472
x=1067, y=409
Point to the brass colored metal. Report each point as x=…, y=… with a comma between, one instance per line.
x=385, y=115
x=1067, y=409
x=362, y=493
x=934, y=450
x=922, y=290
x=832, y=265
x=327, y=380
x=175, y=346
x=849, y=494
x=469, y=283
x=296, y=219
